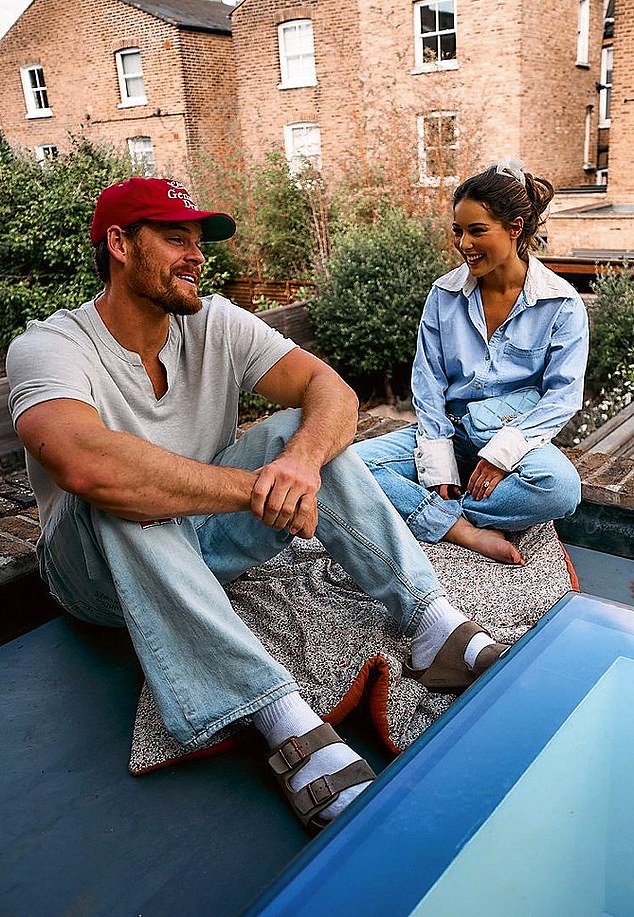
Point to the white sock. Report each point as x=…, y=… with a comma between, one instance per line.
x=477, y=643
x=292, y=716
x=438, y=622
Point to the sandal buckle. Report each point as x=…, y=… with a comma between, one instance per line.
x=320, y=790
x=291, y=752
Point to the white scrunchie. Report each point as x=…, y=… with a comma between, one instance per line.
x=512, y=167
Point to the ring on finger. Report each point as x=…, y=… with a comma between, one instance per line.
x=487, y=484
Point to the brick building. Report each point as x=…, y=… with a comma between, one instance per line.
x=453, y=84
x=155, y=78
x=442, y=87
x=603, y=222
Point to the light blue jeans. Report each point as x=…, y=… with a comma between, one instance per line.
x=544, y=486
x=164, y=581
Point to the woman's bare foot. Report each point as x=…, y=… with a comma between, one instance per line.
x=489, y=542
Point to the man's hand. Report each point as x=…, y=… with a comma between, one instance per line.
x=284, y=495
x=485, y=479
x=447, y=491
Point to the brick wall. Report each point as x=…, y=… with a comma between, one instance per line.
x=621, y=167
x=589, y=231
x=76, y=45
x=263, y=109
x=208, y=68
x=555, y=91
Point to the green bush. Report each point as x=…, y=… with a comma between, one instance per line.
x=611, y=326
x=46, y=258
x=281, y=220
x=279, y=215
x=366, y=312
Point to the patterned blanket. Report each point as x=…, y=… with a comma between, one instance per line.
x=342, y=646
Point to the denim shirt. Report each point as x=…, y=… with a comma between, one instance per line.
x=543, y=343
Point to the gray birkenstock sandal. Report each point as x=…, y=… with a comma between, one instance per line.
x=290, y=756
x=449, y=672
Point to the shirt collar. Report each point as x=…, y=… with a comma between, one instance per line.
x=540, y=283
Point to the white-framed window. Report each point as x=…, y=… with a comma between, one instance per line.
x=45, y=152
x=435, y=34
x=35, y=92
x=130, y=73
x=297, y=54
x=583, y=33
x=605, y=93
x=608, y=19
x=302, y=143
x=438, y=147
x=588, y=165
x=141, y=153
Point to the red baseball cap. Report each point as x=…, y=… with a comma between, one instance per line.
x=162, y=199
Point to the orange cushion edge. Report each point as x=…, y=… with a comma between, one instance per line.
x=377, y=700
x=572, y=573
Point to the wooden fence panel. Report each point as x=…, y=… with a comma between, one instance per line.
x=243, y=291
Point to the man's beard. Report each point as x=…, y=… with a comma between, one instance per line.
x=166, y=292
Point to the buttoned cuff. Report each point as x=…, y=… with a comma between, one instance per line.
x=435, y=462
x=508, y=447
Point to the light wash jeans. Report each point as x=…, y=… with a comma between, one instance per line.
x=164, y=581
x=544, y=486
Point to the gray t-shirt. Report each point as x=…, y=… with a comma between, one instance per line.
x=208, y=358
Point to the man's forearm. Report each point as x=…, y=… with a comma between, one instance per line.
x=137, y=480
x=329, y=422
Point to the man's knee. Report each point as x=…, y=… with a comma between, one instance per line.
x=397, y=446
x=275, y=431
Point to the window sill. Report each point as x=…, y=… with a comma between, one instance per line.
x=582, y=65
x=605, y=124
x=284, y=86
x=435, y=68
x=132, y=103
x=435, y=181
x=42, y=113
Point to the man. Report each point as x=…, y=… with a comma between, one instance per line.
x=127, y=407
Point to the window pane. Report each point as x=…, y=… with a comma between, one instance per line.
x=131, y=63
x=427, y=19
x=445, y=15
x=36, y=78
x=430, y=49
x=448, y=46
x=292, y=40
x=432, y=132
x=446, y=131
x=41, y=98
x=434, y=162
x=142, y=153
x=134, y=85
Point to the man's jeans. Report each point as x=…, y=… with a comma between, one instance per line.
x=164, y=581
x=544, y=486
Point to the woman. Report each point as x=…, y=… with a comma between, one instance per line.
x=501, y=324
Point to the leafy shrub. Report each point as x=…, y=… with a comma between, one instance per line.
x=611, y=326
x=367, y=310
x=616, y=395
x=252, y=407
x=277, y=234
x=46, y=258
